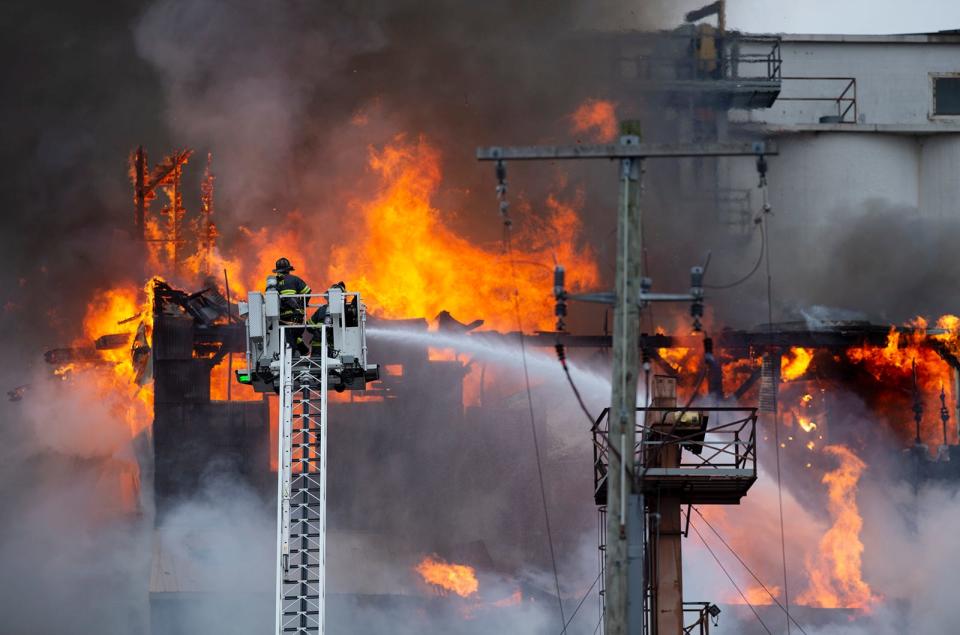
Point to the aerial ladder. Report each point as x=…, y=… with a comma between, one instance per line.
x=332, y=329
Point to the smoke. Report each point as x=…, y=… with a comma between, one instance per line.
x=883, y=263
x=272, y=90
x=75, y=550
x=890, y=263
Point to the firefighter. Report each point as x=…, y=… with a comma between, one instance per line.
x=319, y=318
x=292, y=310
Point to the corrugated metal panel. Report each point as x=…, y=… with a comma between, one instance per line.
x=172, y=337
x=181, y=380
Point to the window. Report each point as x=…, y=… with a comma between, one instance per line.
x=946, y=96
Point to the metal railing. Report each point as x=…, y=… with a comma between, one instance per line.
x=311, y=313
x=772, y=59
x=729, y=443
x=702, y=611
x=846, y=101
x=310, y=303
x=679, y=53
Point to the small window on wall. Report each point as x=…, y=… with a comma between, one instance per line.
x=946, y=96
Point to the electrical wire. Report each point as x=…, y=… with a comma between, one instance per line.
x=756, y=265
x=562, y=357
x=508, y=248
x=776, y=406
x=582, y=600
x=749, y=570
x=729, y=577
x=536, y=446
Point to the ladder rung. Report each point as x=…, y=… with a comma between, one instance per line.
x=289, y=598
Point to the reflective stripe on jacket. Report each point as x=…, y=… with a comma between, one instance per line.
x=289, y=284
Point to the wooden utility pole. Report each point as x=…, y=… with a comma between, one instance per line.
x=666, y=593
x=623, y=399
x=625, y=534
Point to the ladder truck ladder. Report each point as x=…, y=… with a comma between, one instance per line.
x=302, y=492
x=302, y=379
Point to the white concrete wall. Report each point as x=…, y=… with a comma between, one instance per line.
x=940, y=176
x=818, y=176
x=824, y=179
x=897, y=155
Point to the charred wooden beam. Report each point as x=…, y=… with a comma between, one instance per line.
x=747, y=384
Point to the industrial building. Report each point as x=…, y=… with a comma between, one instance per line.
x=859, y=119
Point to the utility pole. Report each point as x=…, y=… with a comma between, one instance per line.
x=625, y=532
x=623, y=398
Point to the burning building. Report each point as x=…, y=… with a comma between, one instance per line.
x=440, y=509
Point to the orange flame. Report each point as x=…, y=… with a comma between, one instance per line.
x=835, y=577
x=597, y=119
x=458, y=578
x=795, y=365
x=110, y=312
x=409, y=264
x=756, y=596
x=894, y=363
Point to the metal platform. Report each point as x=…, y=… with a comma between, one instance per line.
x=745, y=71
x=746, y=93
x=715, y=454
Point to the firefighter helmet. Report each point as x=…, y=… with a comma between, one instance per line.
x=283, y=266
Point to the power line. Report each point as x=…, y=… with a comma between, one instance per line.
x=749, y=570
x=756, y=266
x=562, y=357
x=508, y=247
x=582, y=600
x=536, y=443
x=761, y=165
x=729, y=577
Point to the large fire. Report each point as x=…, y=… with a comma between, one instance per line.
x=120, y=311
x=834, y=572
x=448, y=577
x=908, y=360
x=410, y=264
